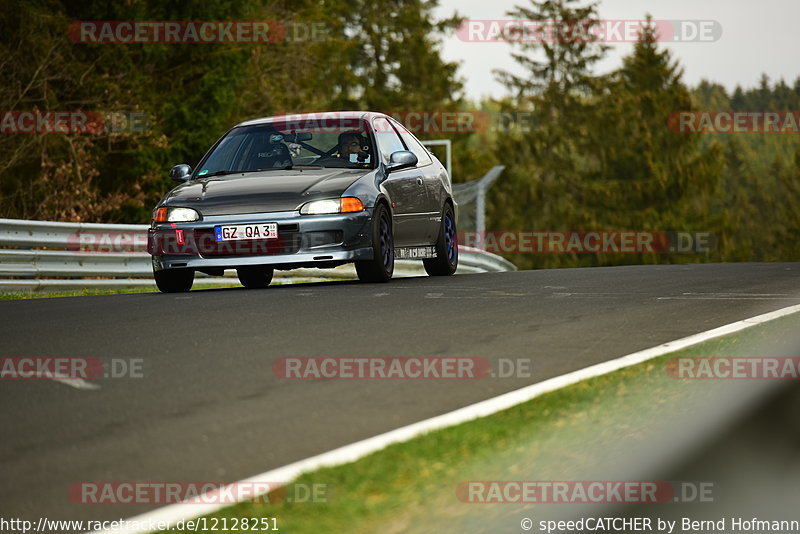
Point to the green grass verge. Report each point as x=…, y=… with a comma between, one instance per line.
x=24, y=295
x=411, y=486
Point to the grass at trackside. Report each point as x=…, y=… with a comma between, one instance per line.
x=85, y=292
x=411, y=486
x=24, y=295
x=76, y=293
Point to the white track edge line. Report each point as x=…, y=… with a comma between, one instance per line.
x=173, y=513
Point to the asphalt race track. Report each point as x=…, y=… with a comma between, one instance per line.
x=210, y=408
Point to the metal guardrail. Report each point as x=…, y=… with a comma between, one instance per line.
x=56, y=256
x=476, y=191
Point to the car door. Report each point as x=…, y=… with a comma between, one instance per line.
x=433, y=175
x=406, y=190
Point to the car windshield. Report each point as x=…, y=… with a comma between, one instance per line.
x=306, y=141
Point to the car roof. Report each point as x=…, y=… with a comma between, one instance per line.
x=317, y=115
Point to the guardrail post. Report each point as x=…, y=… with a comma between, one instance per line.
x=480, y=215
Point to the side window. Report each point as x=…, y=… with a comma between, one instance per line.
x=387, y=138
x=414, y=145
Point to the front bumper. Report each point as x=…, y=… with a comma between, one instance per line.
x=303, y=241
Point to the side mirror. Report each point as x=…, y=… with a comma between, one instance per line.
x=180, y=173
x=402, y=159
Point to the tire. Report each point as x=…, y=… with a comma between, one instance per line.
x=446, y=261
x=174, y=280
x=256, y=277
x=381, y=267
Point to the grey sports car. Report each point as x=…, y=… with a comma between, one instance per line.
x=311, y=190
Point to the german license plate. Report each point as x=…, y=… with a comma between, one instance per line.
x=241, y=232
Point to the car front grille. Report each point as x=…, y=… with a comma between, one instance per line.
x=287, y=242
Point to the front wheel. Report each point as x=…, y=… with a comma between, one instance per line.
x=174, y=280
x=446, y=261
x=255, y=277
x=381, y=267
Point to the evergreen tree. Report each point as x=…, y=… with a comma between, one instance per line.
x=788, y=213
x=385, y=55
x=547, y=164
x=738, y=101
x=651, y=177
x=566, y=41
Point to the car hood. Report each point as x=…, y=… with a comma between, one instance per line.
x=284, y=190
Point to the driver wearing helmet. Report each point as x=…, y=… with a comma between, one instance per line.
x=353, y=147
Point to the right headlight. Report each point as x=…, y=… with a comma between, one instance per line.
x=334, y=205
x=167, y=214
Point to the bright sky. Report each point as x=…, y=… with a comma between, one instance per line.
x=757, y=36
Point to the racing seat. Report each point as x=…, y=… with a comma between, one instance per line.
x=271, y=156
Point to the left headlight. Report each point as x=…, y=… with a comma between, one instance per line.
x=165, y=214
x=336, y=205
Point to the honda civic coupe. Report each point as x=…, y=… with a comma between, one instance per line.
x=311, y=190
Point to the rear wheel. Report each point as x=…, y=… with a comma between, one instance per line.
x=174, y=280
x=381, y=267
x=446, y=261
x=257, y=277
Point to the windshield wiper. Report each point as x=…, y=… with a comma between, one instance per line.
x=226, y=173
x=220, y=173
x=286, y=168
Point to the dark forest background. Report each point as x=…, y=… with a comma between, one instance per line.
x=600, y=156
